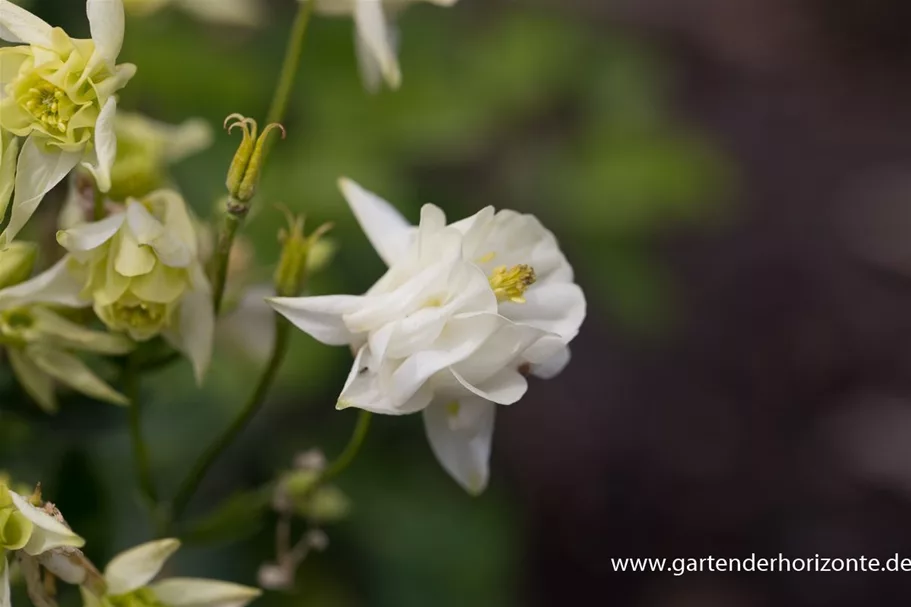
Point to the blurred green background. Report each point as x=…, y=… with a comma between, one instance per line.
x=506, y=103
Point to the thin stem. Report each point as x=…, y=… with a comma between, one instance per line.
x=283, y=90
x=222, y=258
x=189, y=486
x=347, y=456
x=140, y=449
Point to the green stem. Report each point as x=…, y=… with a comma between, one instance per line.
x=189, y=486
x=282, y=95
x=347, y=456
x=222, y=258
x=140, y=449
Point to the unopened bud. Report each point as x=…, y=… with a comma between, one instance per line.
x=297, y=249
x=246, y=167
x=16, y=262
x=275, y=577
x=326, y=505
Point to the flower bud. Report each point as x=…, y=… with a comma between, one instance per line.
x=246, y=167
x=16, y=262
x=297, y=252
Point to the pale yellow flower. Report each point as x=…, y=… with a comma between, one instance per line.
x=59, y=94
x=142, y=272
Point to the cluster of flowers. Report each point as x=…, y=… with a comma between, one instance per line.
x=466, y=311
x=37, y=537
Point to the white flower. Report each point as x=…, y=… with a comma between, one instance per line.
x=462, y=311
x=129, y=583
x=59, y=93
x=375, y=35
x=29, y=529
x=40, y=342
x=142, y=270
x=224, y=12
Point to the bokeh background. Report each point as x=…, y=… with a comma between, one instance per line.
x=729, y=178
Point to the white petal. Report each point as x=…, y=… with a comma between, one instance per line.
x=105, y=141
x=137, y=567
x=88, y=236
x=106, y=21
x=191, y=137
x=49, y=533
x=369, y=391
x=369, y=67
x=548, y=357
x=503, y=388
x=556, y=308
x=195, y=331
x=460, y=435
x=17, y=25
x=37, y=173
x=190, y=592
x=320, y=317
x=57, y=285
x=33, y=380
x=7, y=171
x=70, y=371
x=386, y=229
x=4, y=583
x=379, y=38
x=145, y=227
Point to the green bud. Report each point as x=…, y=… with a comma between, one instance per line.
x=297, y=252
x=16, y=262
x=299, y=484
x=326, y=505
x=246, y=167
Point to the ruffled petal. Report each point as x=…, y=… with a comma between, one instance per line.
x=460, y=435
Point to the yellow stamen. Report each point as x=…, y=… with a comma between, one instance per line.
x=49, y=105
x=510, y=284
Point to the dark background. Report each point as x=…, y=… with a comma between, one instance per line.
x=729, y=178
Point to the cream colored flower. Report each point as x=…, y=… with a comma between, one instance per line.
x=23, y=527
x=463, y=311
x=9, y=151
x=224, y=12
x=59, y=93
x=40, y=341
x=376, y=36
x=129, y=583
x=143, y=274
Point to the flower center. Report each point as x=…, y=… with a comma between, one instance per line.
x=140, y=315
x=14, y=325
x=510, y=284
x=49, y=105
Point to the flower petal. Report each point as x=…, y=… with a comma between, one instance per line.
x=77, y=337
x=49, y=533
x=320, y=317
x=195, y=331
x=191, y=592
x=17, y=25
x=88, y=236
x=138, y=566
x=38, y=171
x=70, y=371
x=386, y=229
x=145, y=227
x=33, y=380
x=8, y=155
x=460, y=435
x=555, y=307
x=56, y=285
x=106, y=20
x=105, y=140
x=379, y=38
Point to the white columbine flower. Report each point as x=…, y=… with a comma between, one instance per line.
x=142, y=271
x=29, y=529
x=40, y=342
x=129, y=583
x=59, y=93
x=463, y=311
x=375, y=35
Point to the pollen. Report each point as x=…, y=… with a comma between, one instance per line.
x=510, y=284
x=50, y=106
x=141, y=315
